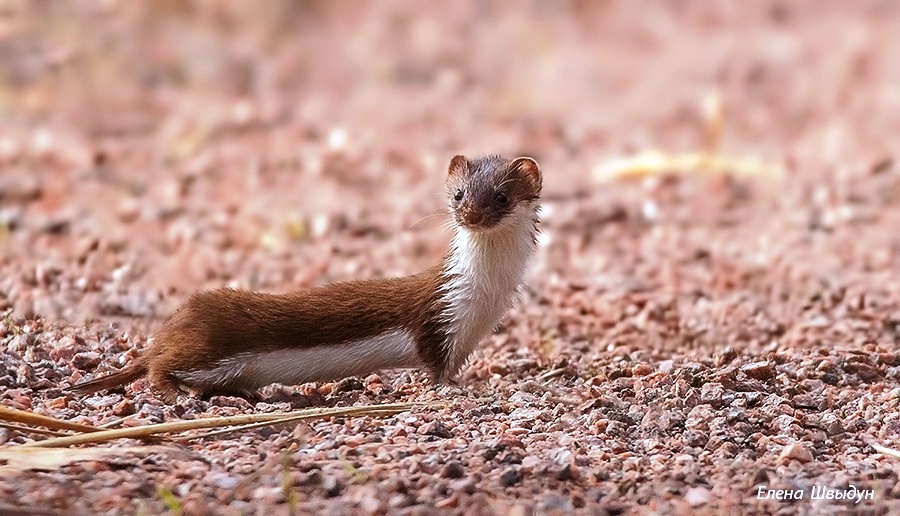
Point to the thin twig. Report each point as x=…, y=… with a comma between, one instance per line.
x=653, y=162
x=142, y=432
x=546, y=375
x=32, y=419
x=32, y=430
x=376, y=412
x=885, y=451
x=114, y=422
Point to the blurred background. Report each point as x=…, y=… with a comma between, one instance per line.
x=148, y=149
x=566, y=78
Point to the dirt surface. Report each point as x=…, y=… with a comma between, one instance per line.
x=685, y=339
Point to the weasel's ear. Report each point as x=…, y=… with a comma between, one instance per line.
x=458, y=166
x=528, y=169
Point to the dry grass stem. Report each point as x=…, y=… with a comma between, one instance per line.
x=655, y=162
x=32, y=430
x=31, y=419
x=371, y=411
x=885, y=450
x=143, y=432
x=115, y=422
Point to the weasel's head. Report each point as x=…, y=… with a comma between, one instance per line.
x=491, y=192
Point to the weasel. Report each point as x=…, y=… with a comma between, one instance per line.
x=229, y=341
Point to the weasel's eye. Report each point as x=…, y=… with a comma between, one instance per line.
x=501, y=198
x=459, y=195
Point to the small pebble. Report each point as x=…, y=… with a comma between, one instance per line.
x=435, y=428
x=510, y=476
x=697, y=496
x=87, y=361
x=641, y=370
x=795, y=451
x=759, y=370
x=453, y=469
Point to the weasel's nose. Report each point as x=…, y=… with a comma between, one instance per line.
x=474, y=218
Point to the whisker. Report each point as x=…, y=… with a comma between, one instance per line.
x=505, y=181
x=506, y=178
x=448, y=225
x=424, y=219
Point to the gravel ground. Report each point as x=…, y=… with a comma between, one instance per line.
x=686, y=339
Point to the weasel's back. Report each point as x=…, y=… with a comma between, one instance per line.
x=229, y=320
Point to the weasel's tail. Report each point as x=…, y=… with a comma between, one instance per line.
x=120, y=377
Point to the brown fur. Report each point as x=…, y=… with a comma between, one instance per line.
x=222, y=323
x=115, y=379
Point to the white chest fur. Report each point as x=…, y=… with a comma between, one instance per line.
x=484, y=270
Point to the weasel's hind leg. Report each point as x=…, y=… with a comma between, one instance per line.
x=165, y=384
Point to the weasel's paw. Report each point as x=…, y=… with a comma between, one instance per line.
x=165, y=386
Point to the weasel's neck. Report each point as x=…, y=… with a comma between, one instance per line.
x=483, y=272
x=243, y=340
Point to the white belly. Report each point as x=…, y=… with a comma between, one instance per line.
x=315, y=364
